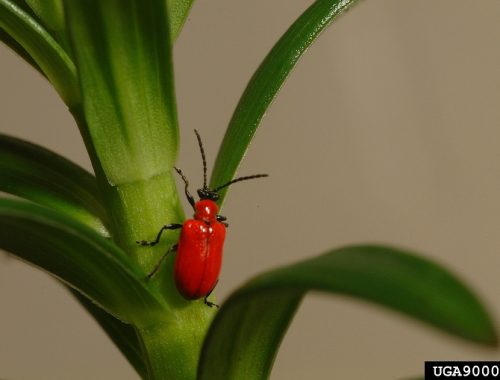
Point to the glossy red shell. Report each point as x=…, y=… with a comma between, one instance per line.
x=199, y=252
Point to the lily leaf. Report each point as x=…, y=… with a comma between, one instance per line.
x=127, y=85
x=178, y=11
x=80, y=257
x=51, y=13
x=35, y=173
x=15, y=46
x=48, y=54
x=267, y=81
x=244, y=337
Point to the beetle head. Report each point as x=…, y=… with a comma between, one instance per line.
x=205, y=193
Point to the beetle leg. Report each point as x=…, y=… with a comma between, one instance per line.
x=210, y=304
x=207, y=302
x=222, y=219
x=174, y=226
x=155, y=269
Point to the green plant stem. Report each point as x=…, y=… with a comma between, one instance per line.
x=157, y=341
x=136, y=211
x=173, y=348
x=140, y=198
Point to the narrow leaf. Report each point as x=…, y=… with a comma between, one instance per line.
x=23, y=5
x=43, y=49
x=51, y=12
x=123, y=54
x=78, y=256
x=32, y=172
x=245, y=335
x=122, y=335
x=267, y=81
x=15, y=46
x=178, y=11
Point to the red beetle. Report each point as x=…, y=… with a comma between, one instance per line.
x=199, y=250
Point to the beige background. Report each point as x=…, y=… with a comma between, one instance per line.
x=388, y=131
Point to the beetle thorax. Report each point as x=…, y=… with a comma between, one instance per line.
x=206, y=210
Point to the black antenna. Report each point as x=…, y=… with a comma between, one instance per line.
x=203, y=158
x=186, y=185
x=238, y=180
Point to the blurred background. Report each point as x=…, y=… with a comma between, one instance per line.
x=388, y=131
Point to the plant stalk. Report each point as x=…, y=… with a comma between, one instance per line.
x=172, y=348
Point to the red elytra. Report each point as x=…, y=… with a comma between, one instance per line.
x=199, y=252
x=199, y=249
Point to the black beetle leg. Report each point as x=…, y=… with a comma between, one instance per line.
x=207, y=302
x=174, y=226
x=157, y=267
x=222, y=219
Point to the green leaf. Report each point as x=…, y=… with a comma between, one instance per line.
x=51, y=13
x=80, y=257
x=244, y=337
x=178, y=11
x=15, y=46
x=123, y=54
x=122, y=335
x=267, y=81
x=23, y=5
x=32, y=172
x=43, y=49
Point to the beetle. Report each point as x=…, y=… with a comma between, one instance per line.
x=199, y=249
